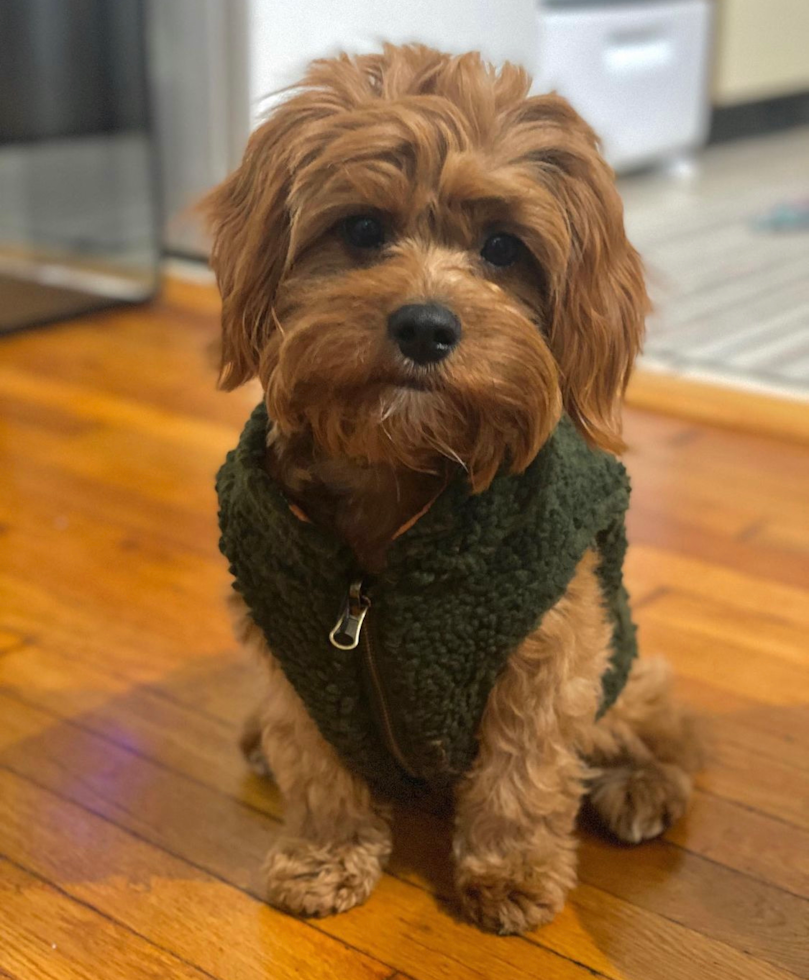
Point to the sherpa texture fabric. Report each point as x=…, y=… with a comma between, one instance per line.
x=462, y=588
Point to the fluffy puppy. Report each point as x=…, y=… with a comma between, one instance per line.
x=426, y=267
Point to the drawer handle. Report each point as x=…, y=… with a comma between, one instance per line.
x=638, y=51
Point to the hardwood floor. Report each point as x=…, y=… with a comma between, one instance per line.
x=131, y=832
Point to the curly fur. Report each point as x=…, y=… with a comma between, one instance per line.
x=443, y=150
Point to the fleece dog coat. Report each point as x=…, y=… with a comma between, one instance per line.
x=396, y=670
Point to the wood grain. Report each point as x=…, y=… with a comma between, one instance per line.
x=126, y=812
x=167, y=901
x=45, y=933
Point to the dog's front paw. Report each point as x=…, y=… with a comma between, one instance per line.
x=311, y=879
x=638, y=803
x=509, y=896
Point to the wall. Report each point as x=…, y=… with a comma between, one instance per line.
x=762, y=49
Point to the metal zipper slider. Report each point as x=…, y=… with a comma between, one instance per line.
x=346, y=633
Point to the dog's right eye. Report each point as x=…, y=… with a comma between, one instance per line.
x=364, y=231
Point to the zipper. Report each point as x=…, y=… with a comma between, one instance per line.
x=353, y=631
x=348, y=628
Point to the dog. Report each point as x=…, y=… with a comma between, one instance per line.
x=426, y=268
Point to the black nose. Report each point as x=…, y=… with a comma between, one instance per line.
x=424, y=332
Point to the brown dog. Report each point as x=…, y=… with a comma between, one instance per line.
x=425, y=267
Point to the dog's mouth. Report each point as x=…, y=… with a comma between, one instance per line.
x=418, y=379
x=416, y=384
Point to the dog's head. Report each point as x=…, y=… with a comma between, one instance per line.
x=421, y=262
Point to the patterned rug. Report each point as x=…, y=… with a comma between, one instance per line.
x=727, y=253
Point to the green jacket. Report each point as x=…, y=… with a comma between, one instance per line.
x=462, y=588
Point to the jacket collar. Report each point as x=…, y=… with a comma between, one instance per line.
x=492, y=513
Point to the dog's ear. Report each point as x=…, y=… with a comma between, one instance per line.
x=250, y=214
x=249, y=220
x=598, y=302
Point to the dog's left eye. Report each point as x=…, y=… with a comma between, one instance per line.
x=364, y=231
x=501, y=249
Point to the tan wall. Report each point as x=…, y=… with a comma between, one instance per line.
x=762, y=49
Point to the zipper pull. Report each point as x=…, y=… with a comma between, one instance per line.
x=346, y=633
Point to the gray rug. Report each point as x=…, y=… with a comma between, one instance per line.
x=727, y=253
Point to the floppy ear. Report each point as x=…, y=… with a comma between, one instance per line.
x=599, y=321
x=598, y=303
x=249, y=220
x=249, y=214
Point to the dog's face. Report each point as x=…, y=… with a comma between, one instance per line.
x=420, y=262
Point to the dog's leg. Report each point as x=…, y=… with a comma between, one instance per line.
x=336, y=838
x=644, y=751
x=514, y=844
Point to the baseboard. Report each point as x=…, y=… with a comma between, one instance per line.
x=758, y=118
x=719, y=405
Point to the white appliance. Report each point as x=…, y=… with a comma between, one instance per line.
x=636, y=70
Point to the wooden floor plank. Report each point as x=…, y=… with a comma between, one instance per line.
x=777, y=731
x=44, y=934
x=728, y=625
x=745, y=840
x=648, y=566
x=161, y=729
x=748, y=915
x=595, y=922
x=699, y=656
x=681, y=536
x=761, y=783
